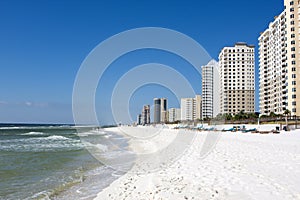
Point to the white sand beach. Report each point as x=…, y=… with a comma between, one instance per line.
x=240, y=166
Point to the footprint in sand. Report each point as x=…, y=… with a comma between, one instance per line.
x=238, y=196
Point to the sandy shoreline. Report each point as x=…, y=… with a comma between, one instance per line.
x=241, y=166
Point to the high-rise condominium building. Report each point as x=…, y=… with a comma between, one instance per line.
x=198, y=99
x=237, y=79
x=156, y=113
x=210, y=90
x=160, y=110
x=163, y=109
x=174, y=114
x=191, y=108
x=279, y=59
x=146, y=115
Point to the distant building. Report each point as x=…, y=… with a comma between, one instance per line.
x=139, y=119
x=146, y=115
x=198, y=99
x=187, y=109
x=210, y=90
x=157, y=107
x=163, y=109
x=160, y=110
x=174, y=114
x=237, y=75
x=279, y=63
x=191, y=108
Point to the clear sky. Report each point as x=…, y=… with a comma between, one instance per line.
x=43, y=43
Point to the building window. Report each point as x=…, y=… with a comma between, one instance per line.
x=293, y=69
x=293, y=75
x=293, y=96
x=294, y=103
x=293, y=36
x=292, y=3
x=293, y=29
x=293, y=89
x=293, y=82
x=293, y=49
x=292, y=16
x=294, y=110
x=293, y=55
x=292, y=22
x=293, y=62
x=292, y=10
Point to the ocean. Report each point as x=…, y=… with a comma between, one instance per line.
x=52, y=161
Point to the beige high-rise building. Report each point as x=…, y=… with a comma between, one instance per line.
x=272, y=70
x=163, y=109
x=237, y=75
x=198, y=99
x=279, y=62
x=191, y=108
x=145, y=115
x=174, y=114
x=293, y=56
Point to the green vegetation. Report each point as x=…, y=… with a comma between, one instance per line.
x=108, y=126
x=249, y=118
x=240, y=116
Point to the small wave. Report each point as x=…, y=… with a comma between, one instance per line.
x=33, y=133
x=117, y=174
x=11, y=127
x=107, y=136
x=91, y=146
x=40, y=145
x=84, y=134
x=37, y=140
x=102, y=147
x=41, y=195
x=57, y=137
x=94, y=133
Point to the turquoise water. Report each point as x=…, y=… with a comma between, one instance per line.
x=50, y=162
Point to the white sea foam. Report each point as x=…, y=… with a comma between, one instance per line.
x=96, y=133
x=102, y=147
x=41, y=195
x=92, y=147
x=35, y=144
x=33, y=133
x=117, y=174
x=11, y=127
x=57, y=137
x=36, y=140
x=85, y=134
x=107, y=136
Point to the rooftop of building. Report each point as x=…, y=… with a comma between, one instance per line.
x=244, y=44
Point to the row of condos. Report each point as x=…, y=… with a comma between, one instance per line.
x=228, y=86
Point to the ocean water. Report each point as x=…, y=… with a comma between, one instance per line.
x=52, y=162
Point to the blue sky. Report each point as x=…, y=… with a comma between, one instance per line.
x=43, y=43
